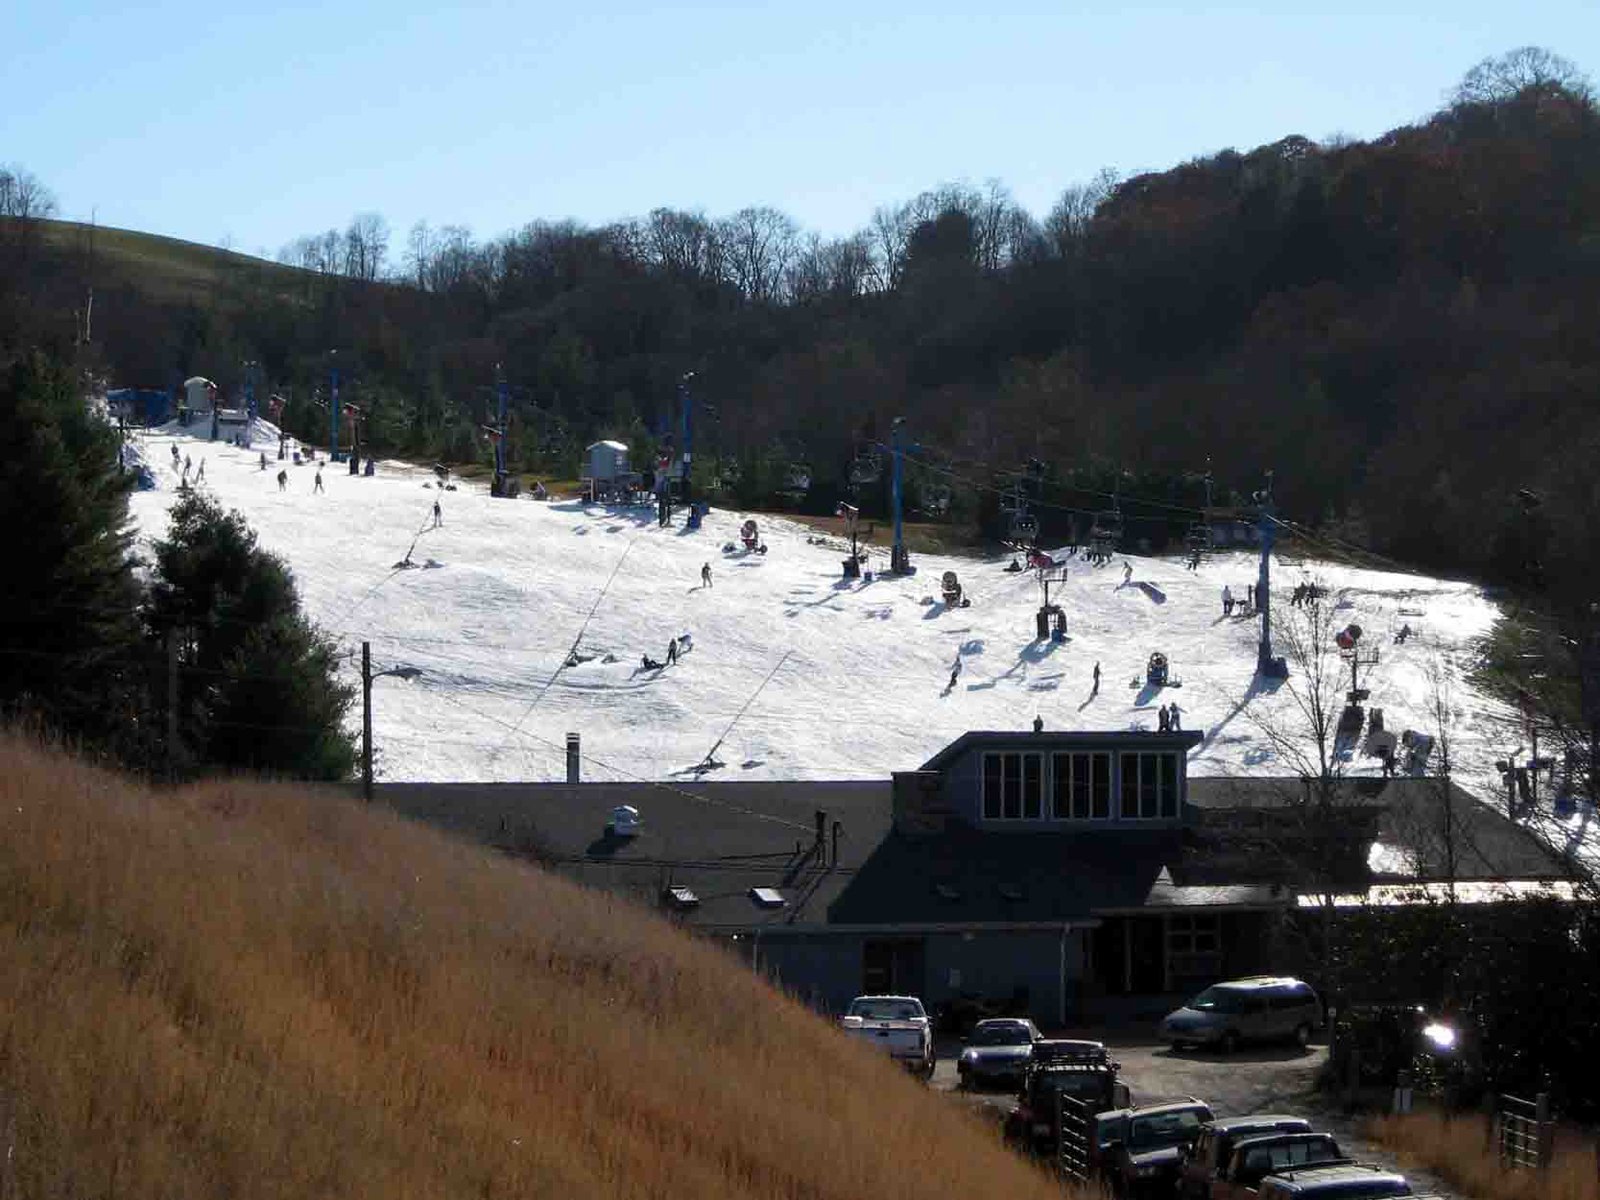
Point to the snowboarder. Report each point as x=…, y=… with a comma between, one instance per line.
x=1227, y=601
x=1095, y=691
x=672, y=651
x=283, y=481
x=438, y=515
x=705, y=575
x=1127, y=572
x=317, y=487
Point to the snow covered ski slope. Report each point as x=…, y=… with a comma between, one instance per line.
x=500, y=592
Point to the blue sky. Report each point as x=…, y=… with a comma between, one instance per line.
x=209, y=124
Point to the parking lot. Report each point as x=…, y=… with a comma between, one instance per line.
x=1257, y=1079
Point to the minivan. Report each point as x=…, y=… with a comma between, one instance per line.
x=1260, y=1008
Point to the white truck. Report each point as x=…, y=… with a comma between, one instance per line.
x=896, y=1025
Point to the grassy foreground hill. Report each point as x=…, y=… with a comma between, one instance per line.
x=245, y=989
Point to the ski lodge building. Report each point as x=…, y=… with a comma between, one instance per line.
x=1077, y=875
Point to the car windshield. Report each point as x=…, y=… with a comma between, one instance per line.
x=1163, y=1129
x=1001, y=1035
x=1218, y=999
x=885, y=1010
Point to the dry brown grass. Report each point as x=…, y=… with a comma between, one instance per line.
x=1456, y=1149
x=241, y=989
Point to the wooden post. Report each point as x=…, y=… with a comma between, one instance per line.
x=366, y=721
x=1490, y=1107
x=1546, y=1128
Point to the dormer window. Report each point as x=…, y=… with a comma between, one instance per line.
x=1081, y=786
x=1013, y=786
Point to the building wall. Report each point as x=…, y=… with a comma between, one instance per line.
x=823, y=970
x=1002, y=965
x=963, y=786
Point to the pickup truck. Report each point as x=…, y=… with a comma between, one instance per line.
x=1143, y=1147
x=1208, y=1157
x=1081, y=1070
x=1254, y=1158
x=896, y=1025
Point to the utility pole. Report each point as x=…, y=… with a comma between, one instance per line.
x=500, y=437
x=333, y=407
x=686, y=399
x=366, y=721
x=1266, y=664
x=899, y=559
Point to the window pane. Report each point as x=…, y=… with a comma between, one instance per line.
x=1102, y=786
x=1032, y=785
x=1149, y=781
x=1061, y=785
x=1080, y=786
x=991, y=786
x=1169, y=785
x=1130, y=785
x=1013, y=772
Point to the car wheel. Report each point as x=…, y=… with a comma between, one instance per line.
x=1302, y=1035
x=1229, y=1042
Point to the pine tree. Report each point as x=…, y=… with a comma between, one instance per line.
x=258, y=681
x=69, y=641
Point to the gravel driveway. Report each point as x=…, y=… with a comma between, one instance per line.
x=1254, y=1080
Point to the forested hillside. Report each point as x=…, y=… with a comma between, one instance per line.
x=1403, y=329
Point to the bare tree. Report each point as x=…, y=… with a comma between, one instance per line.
x=1511, y=74
x=758, y=244
x=23, y=195
x=421, y=245
x=1068, y=223
x=366, y=242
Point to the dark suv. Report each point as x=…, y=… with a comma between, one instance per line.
x=1083, y=1071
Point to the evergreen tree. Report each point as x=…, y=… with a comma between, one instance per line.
x=257, y=679
x=69, y=641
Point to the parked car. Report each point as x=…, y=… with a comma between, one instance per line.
x=1334, y=1183
x=896, y=1025
x=1261, y=1008
x=998, y=1052
x=1254, y=1158
x=1084, y=1071
x=1214, y=1146
x=1143, y=1147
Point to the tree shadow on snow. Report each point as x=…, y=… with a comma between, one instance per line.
x=1259, y=686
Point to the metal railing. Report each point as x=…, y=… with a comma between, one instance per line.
x=1075, y=1123
x=1523, y=1132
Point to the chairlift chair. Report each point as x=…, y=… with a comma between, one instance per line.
x=867, y=468
x=1024, y=529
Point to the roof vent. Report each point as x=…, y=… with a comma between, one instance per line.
x=763, y=897
x=681, y=898
x=624, y=821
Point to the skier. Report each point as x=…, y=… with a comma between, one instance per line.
x=438, y=515
x=174, y=453
x=1164, y=718
x=672, y=651
x=955, y=674
x=1227, y=601
x=283, y=481
x=1174, y=723
x=200, y=475
x=317, y=487
x=1095, y=691
x=650, y=664
x=1127, y=573
x=263, y=460
x=187, y=464
x=705, y=575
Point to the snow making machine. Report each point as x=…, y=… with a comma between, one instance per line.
x=1157, y=671
x=750, y=536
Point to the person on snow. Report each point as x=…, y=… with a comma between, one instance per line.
x=1162, y=718
x=174, y=453
x=1095, y=691
x=672, y=651
x=317, y=487
x=438, y=515
x=1174, y=723
x=650, y=664
x=705, y=575
x=200, y=475
x=1127, y=572
x=1227, y=601
x=263, y=460
x=283, y=481
x=955, y=674
x=187, y=464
